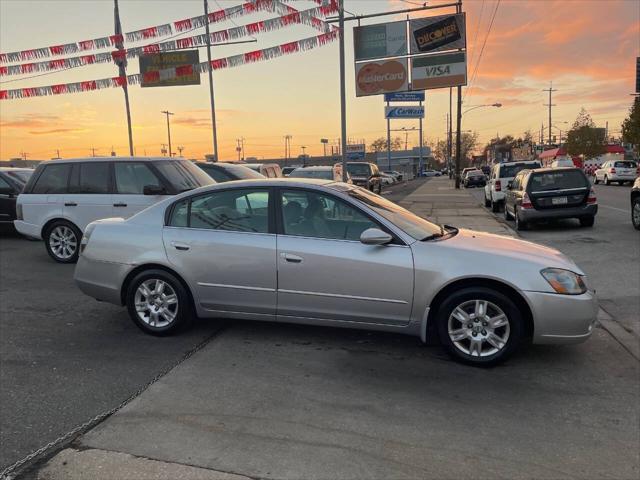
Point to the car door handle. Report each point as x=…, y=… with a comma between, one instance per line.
x=291, y=258
x=70, y=204
x=119, y=204
x=180, y=246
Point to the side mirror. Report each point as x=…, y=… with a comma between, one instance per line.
x=153, y=190
x=7, y=191
x=375, y=236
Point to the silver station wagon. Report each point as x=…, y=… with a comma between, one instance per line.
x=328, y=253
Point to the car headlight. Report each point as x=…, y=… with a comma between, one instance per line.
x=565, y=282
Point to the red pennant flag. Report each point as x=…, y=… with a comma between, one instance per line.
x=86, y=45
x=27, y=67
x=183, y=25
x=150, y=32
x=152, y=76
x=3, y=59
x=119, y=81
x=3, y=95
x=255, y=27
x=114, y=39
x=59, y=89
x=56, y=50
x=88, y=59
x=56, y=64
x=119, y=54
x=218, y=64
x=3, y=70
x=29, y=92
x=87, y=86
x=289, y=47
x=27, y=54
x=253, y=56
x=151, y=48
x=184, y=70
x=184, y=42
x=217, y=16
x=249, y=7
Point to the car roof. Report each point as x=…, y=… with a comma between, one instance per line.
x=556, y=169
x=518, y=162
x=269, y=182
x=111, y=159
x=15, y=169
x=317, y=167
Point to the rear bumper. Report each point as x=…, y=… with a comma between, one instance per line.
x=533, y=214
x=562, y=319
x=497, y=196
x=101, y=280
x=28, y=229
x=622, y=178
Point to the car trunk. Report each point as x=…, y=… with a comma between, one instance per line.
x=560, y=189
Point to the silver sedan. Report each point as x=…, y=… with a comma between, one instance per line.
x=324, y=253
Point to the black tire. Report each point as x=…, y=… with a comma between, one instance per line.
x=487, y=202
x=507, y=215
x=587, y=221
x=495, y=206
x=379, y=192
x=595, y=180
x=520, y=225
x=62, y=241
x=515, y=321
x=606, y=181
x=635, y=219
x=183, y=314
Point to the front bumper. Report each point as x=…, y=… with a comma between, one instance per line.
x=101, y=280
x=562, y=319
x=28, y=229
x=533, y=214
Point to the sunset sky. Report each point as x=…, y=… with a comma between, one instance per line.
x=588, y=49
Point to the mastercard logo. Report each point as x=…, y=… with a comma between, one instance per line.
x=381, y=77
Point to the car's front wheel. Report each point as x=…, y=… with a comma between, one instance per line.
x=495, y=206
x=62, y=240
x=480, y=326
x=507, y=215
x=158, y=303
x=635, y=213
x=487, y=202
x=520, y=225
x=595, y=180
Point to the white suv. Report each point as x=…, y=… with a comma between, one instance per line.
x=620, y=171
x=500, y=176
x=63, y=196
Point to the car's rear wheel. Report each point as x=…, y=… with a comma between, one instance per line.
x=480, y=326
x=507, y=215
x=595, y=180
x=495, y=206
x=487, y=202
x=587, y=221
x=379, y=188
x=520, y=225
x=606, y=181
x=62, y=240
x=635, y=213
x=158, y=303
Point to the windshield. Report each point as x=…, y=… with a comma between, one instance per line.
x=183, y=175
x=21, y=176
x=305, y=173
x=507, y=171
x=415, y=226
x=358, y=169
x=559, y=180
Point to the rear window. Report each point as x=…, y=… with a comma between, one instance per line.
x=21, y=176
x=358, y=169
x=625, y=165
x=183, y=175
x=512, y=170
x=558, y=180
x=305, y=173
x=54, y=179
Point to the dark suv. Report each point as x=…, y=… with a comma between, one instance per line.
x=550, y=193
x=365, y=175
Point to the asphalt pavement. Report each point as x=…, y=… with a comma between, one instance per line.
x=608, y=252
x=276, y=401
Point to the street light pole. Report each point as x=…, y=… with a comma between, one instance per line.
x=210, y=70
x=122, y=72
x=167, y=113
x=343, y=95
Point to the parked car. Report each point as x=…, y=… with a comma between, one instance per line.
x=620, y=171
x=366, y=175
x=269, y=170
x=500, y=176
x=12, y=182
x=287, y=170
x=387, y=180
x=486, y=169
x=635, y=204
x=333, y=173
x=312, y=252
x=474, y=178
x=465, y=170
x=225, y=172
x=550, y=193
x=395, y=174
x=431, y=173
x=63, y=196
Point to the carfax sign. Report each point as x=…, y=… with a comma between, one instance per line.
x=435, y=34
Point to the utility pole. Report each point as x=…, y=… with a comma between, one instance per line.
x=458, y=121
x=449, y=139
x=180, y=149
x=238, y=148
x=57, y=153
x=167, y=113
x=93, y=152
x=406, y=140
x=343, y=94
x=550, y=90
x=210, y=70
x=24, y=154
x=122, y=72
x=163, y=150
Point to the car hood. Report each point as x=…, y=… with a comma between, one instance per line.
x=500, y=248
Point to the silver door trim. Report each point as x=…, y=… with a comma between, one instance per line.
x=337, y=295
x=239, y=287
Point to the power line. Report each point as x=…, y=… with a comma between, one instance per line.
x=475, y=71
x=475, y=37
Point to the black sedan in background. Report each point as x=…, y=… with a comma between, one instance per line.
x=474, y=178
x=12, y=181
x=225, y=172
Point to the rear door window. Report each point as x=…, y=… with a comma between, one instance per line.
x=131, y=178
x=183, y=175
x=54, y=179
x=93, y=177
x=558, y=180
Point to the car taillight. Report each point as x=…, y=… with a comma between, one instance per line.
x=19, y=211
x=526, y=202
x=612, y=170
x=498, y=186
x=592, y=197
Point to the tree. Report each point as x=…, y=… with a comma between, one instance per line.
x=584, y=138
x=631, y=124
x=380, y=144
x=439, y=150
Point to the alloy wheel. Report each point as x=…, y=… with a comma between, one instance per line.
x=156, y=303
x=63, y=242
x=478, y=328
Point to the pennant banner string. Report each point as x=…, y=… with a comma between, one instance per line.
x=307, y=17
x=170, y=73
